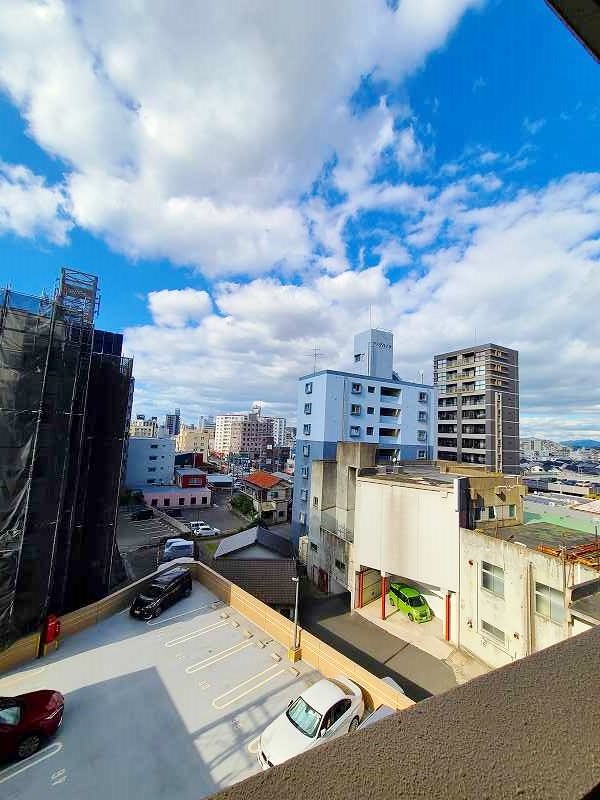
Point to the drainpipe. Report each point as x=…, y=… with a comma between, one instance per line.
x=447, y=619
x=383, y=593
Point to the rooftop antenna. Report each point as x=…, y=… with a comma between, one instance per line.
x=315, y=353
x=421, y=375
x=370, y=317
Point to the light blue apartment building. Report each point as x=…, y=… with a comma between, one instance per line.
x=371, y=405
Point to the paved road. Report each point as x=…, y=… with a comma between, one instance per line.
x=419, y=673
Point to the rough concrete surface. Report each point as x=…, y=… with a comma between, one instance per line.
x=528, y=730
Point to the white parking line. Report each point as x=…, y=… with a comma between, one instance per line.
x=217, y=701
x=176, y=616
x=208, y=662
x=48, y=752
x=195, y=634
x=21, y=676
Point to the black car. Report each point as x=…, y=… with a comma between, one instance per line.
x=145, y=513
x=165, y=589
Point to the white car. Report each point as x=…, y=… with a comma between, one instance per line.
x=329, y=708
x=201, y=528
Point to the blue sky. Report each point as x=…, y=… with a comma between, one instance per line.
x=247, y=187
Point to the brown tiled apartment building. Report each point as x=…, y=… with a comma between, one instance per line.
x=478, y=407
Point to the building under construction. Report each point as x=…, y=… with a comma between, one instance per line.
x=65, y=401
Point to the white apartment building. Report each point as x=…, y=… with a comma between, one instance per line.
x=542, y=448
x=243, y=433
x=278, y=431
x=149, y=461
x=142, y=427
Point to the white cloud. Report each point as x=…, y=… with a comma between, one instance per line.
x=177, y=307
x=29, y=207
x=409, y=151
x=524, y=272
x=533, y=126
x=191, y=129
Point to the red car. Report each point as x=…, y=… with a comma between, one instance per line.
x=28, y=719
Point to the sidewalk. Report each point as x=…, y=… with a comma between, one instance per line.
x=427, y=636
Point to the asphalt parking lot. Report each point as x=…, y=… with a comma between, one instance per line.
x=167, y=708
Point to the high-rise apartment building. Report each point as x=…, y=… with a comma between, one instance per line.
x=371, y=405
x=196, y=440
x=243, y=433
x=478, y=407
x=278, y=431
x=173, y=423
x=66, y=394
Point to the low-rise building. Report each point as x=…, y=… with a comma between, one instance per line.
x=270, y=495
x=164, y=497
x=188, y=477
x=144, y=427
x=516, y=587
x=149, y=461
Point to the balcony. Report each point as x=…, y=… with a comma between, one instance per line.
x=330, y=524
x=448, y=444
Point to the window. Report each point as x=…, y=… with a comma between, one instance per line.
x=306, y=450
x=205, y=501
x=308, y=388
x=422, y=416
x=512, y=511
x=357, y=357
x=491, y=512
x=423, y=397
x=370, y=410
x=306, y=430
x=371, y=389
x=354, y=430
x=549, y=602
x=152, y=458
x=340, y=565
x=313, y=547
x=369, y=431
x=151, y=480
x=154, y=503
x=302, y=518
x=356, y=388
x=492, y=578
x=307, y=408
x=182, y=501
x=421, y=436
x=421, y=454
x=496, y=633
x=192, y=501
x=303, y=494
x=355, y=410
x=305, y=472
x=153, y=447
x=166, y=502
x=315, y=502
x=151, y=469
x=10, y=716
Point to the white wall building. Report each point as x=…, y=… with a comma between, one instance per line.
x=278, y=424
x=142, y=426
x=150, y=461
x=514, y=599
x=243, y=433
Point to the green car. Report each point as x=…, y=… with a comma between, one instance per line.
x=410, y=602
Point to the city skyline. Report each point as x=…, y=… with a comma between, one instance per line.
x=419, y=182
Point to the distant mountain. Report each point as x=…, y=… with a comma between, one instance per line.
x=582, y=443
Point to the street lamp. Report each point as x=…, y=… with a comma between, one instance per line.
x=296, y=580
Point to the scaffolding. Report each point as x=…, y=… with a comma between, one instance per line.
x=50, y=435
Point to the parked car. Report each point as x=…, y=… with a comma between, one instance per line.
x=201, y=528
x=145, y=513
x=410, y=602
x=27, y=720
x=329, y=708
x=165, y=589
x=177, y=548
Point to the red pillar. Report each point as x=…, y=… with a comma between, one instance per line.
x=383, y=594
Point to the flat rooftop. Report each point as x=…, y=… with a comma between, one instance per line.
x=534, y=534
x=167, y=708
x=427, y=476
